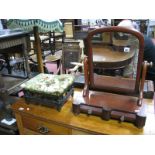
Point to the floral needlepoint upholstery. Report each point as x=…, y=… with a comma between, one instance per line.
x=49, y=84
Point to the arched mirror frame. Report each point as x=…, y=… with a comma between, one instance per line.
x=89, y=52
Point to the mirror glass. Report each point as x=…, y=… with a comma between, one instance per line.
x=115, y=59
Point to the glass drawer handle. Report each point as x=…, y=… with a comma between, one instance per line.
x=43, y=130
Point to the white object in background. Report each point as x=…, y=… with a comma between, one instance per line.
x=126, y=49
x=8, y=122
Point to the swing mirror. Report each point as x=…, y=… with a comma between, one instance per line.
x=114, y=59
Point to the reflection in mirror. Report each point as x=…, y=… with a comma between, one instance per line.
x=115, y=54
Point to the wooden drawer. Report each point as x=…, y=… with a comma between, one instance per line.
x=78, y=132
x=42, y=127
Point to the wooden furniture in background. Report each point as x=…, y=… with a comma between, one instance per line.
x=38, y=50
x=35, y=119
x=15, y=41
x=47, y=48
x=71, y=53
x=69, y=29
x=56, y=41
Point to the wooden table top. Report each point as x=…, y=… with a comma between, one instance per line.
x=91, y=124
x=49, y=58
x=107, y=55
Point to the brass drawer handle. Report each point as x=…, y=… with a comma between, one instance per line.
x=43, y=130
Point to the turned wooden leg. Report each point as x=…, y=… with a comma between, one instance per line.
x=140, y=121
x=76, y=109
x=106, y=113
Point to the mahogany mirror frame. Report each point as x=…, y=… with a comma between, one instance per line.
x=89, y=53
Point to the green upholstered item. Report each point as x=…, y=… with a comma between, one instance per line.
x=28, y=25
